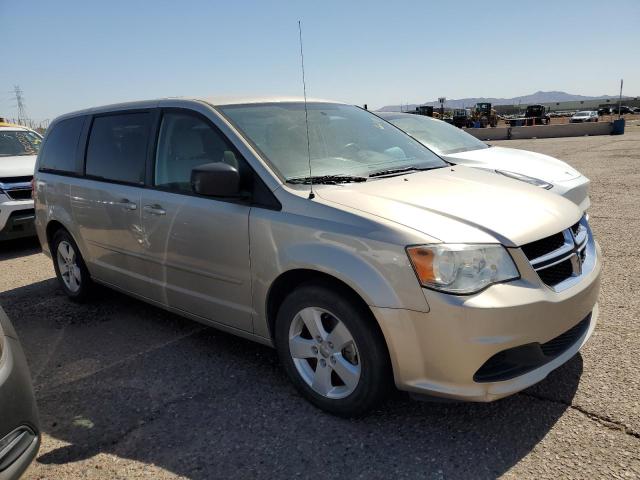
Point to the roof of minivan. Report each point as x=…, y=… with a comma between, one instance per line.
x=219, y=101
x=214, y=101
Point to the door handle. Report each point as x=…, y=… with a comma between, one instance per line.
x=155, y=210
x=127, y=204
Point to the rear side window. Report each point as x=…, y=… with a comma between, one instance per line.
x=59, y=150
x=117, y=147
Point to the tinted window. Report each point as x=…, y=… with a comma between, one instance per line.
x=186, y=141
x=118, y=147
x=59, y=150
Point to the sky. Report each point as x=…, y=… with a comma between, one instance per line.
x=72, y=54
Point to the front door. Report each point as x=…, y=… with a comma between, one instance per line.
x=199, y=245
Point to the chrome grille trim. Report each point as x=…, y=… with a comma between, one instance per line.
x=578, y=247
x=16, y=190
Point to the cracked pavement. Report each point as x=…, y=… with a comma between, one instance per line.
x=126, y=390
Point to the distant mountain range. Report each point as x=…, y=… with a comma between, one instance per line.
x=538, y=97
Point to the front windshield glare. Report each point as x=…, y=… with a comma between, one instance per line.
x=343, y=140
x=18, y=143
x=437, y=135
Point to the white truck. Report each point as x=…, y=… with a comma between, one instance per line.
x=18, y=151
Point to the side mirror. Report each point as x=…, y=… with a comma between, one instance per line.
x=216, y=179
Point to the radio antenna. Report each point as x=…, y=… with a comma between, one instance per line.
x=306, y=113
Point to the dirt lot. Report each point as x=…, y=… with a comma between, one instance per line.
x=127, y=390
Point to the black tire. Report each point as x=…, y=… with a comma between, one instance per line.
x=86, y=285
x=376, y=377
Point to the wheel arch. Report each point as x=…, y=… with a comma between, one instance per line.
x=55, y=225
x=288, y=281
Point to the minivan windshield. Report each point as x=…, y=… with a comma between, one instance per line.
x=343, y=140
x=440, y=136
x=18, y=142
x=583, y=114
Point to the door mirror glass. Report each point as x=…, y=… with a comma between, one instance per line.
x=217, y=179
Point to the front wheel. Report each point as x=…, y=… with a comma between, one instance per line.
x=332, y=352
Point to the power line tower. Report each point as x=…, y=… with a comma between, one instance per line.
x=22, y=108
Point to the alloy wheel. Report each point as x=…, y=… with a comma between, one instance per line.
x=68, y=266
x=324, y=353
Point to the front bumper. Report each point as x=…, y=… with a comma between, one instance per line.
x=16, y=218
x=19, y=432
x=438, y=353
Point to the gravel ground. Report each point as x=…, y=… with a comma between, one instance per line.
x=126, y=390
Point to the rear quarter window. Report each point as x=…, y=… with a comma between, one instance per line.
x=58, y=153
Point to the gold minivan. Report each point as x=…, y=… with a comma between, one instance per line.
x=322, y=230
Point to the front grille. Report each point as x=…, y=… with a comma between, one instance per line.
x=19, y=194
x=517, y=361
x=552, y=276
x=575, y=228
x=26, y=178
x=561, y=256
x=16, y=188
x=544, y=246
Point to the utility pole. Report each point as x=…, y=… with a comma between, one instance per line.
x=22, y=108
x=620, y=101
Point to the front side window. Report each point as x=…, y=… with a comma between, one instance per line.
x=18, y=142
x=436, y=134
x=185, y=142
x=117, y=147
x=343, y=139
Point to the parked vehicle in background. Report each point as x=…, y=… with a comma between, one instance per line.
x=18, y=150
x=484, y=115
x=604, y=111
x=461, y=118
x=584, y=116
x=536, y=115
x=458, y=147
x=621, y=110
x=19, y=425
x=358, y=253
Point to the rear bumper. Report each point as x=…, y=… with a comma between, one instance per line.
x=16, y=219
x=19, y=425
x=440, y=352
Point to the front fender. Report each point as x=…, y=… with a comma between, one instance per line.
x=377, y=271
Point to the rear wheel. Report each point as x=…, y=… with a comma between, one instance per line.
x=70, y=268
x=331, y=351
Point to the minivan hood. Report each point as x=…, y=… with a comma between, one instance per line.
x=528, y=163
x=17, y=166
x=460, y=205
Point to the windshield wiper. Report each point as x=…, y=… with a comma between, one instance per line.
x=393, y=171
x=327, y=179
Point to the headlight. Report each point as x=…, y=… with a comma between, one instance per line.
x=524, y=178
x=461, y=269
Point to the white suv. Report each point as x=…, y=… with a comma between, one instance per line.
x=18, y=150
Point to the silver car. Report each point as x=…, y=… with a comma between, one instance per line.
x=460, y=148
x=19, y=425
x=324, y=231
